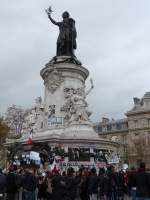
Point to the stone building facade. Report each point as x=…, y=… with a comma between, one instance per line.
x=132, y=132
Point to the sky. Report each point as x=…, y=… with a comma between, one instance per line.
x=113, y=44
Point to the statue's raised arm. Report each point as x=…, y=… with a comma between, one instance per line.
x=49, y=12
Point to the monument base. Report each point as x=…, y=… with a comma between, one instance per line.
x=65, y=59
x=60, y=124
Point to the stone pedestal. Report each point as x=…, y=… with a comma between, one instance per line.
x=65, y=103
x=62, y=80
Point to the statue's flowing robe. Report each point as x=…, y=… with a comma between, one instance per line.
x=66, y=42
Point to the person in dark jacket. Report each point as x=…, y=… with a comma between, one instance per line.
x=83, y=185
x=93, y=183
x=71, y=184
x=49, y=189
x=42, y=186
x=120, y=183
x=2, y=185
x=131, y=182
x=29, y=185
x=58, y=186
x=11, y=185
x=101, y=180
x=106, y=186
x=109, y=186
x=78, y=181
x=142, y=183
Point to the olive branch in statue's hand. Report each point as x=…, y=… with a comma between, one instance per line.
x=49, y=10
x=91, y=81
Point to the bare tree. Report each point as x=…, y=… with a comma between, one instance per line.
x=15, y=120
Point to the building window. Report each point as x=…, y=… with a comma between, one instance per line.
x=136, y=133
x=99, y=128
x=135, y=123
x=124, y=125
x=104, y=128
x=109, y=127
x=118, y=126
x=148, y=121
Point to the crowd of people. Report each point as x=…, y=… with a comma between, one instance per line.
x=85, y=184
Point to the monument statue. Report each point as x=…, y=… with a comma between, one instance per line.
x=61, y=123
x=66, y=42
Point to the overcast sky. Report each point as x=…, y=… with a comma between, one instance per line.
x=113, y=43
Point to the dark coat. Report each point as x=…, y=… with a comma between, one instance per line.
x=101, y=181
x=2, y=183
x=11, y=184
x=42, y=186
x=142, y=184
x=71, y=187
x=93, y=183
x=84, y=188
x=59, y=189
x=29, y=182
x=131, y=179
x=120, y=183
x=109, y=184
x=106, y=186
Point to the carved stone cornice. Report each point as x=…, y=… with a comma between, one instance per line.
x=67, y=68
x=137, y=112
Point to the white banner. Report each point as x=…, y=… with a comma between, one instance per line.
x=84, y=163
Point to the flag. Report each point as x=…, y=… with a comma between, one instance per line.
x=29, y=141
x=53, y=168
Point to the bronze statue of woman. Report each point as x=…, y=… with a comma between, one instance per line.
x=66, y=42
